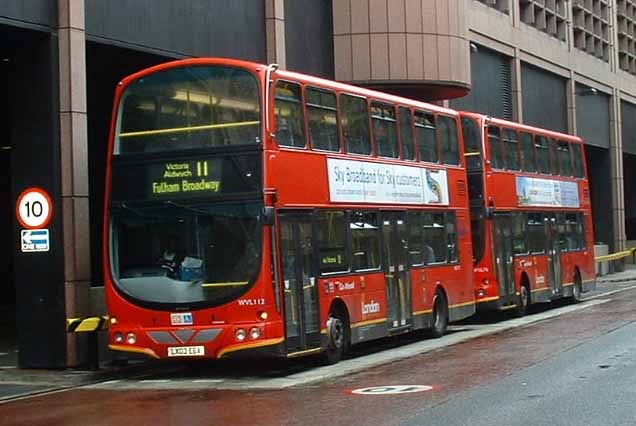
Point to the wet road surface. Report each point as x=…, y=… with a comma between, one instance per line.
x=572, y=369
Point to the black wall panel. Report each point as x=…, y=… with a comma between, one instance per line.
x=592, y=116
x=598, y=169
x=35, y=161
x=309, y=37
x=544, y=99
x=192, y=28
x=39, y=12
x=628, y=127
x=490, y=88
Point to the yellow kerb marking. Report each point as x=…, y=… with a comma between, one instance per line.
x=188, y=129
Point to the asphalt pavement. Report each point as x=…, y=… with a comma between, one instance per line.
x=16, y=382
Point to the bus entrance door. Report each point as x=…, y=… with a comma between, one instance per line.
x=302, y=327
x=503, y=252
x=398, y=283
x=554, y=254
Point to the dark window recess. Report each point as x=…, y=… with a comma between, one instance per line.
x=385, y=130
x=331, y=226
x=496, y=147
x=321, y=116
x=365, y=240
x=288, y=108
x=355, y=124
x=406, y=132
x=425, y=134
x=478, y=233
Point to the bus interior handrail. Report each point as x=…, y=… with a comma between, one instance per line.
x=188, y=129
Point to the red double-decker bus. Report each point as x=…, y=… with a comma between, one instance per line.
x=253, y=211
x=531, y=215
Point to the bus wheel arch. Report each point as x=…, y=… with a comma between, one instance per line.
x=440, y=313
x=338, y=332
x=577, y=285
x=524, y=296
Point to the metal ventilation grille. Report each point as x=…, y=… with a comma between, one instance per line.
x=461, y=187
x=506, y=92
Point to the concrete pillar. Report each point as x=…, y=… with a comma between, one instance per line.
x=570, y=93
x=616, y=159
x=74, y=163
x=275, y=30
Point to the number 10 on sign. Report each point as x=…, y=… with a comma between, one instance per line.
x=34, y=208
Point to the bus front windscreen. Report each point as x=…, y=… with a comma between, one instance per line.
x=184, y=253
x=188, y=108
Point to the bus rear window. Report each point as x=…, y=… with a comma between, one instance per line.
x=189, y=108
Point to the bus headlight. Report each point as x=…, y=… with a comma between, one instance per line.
x=131, y=339
x=240, y=334
x=262, y=315
x=255, y=333
x=119, y=338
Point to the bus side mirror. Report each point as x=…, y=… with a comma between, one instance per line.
x=489, y=212
x=268, y=216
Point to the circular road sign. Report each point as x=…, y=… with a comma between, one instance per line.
x=34, y=208
x=391, y=390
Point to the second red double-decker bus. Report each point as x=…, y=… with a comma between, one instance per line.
x=530, y=211
x=257, y=211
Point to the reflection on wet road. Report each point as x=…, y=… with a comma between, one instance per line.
x=221, y=394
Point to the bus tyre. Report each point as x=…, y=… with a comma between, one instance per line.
x=523, y=302
x=336, y=339
x=576, y=289
x=440, y=316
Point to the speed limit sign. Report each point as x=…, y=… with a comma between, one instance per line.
x=34, y=208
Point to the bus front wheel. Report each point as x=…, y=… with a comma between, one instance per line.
x=336, y=338
x=440, y=316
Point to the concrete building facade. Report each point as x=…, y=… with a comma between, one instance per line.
x=565, y=65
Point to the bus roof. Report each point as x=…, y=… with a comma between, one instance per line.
x=519, y=126
x=295, y=76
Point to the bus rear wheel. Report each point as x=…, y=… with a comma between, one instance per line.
x=440, y=316
x=337, y=332
x=577, y=289
x=523, y=302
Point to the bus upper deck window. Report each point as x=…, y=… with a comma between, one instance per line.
x=496, y=147
x=290, y=124
x=406, y=132
x=321, y=117
x=189, y=108
x=355, y=124
x=528, y=162
x=425, y=134
x=449, y=142
x=554, y=159
x=541, y=152
x=512, y=149
x=565, y=160
x=384, y=130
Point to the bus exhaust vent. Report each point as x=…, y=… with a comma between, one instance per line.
x=461, y=187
